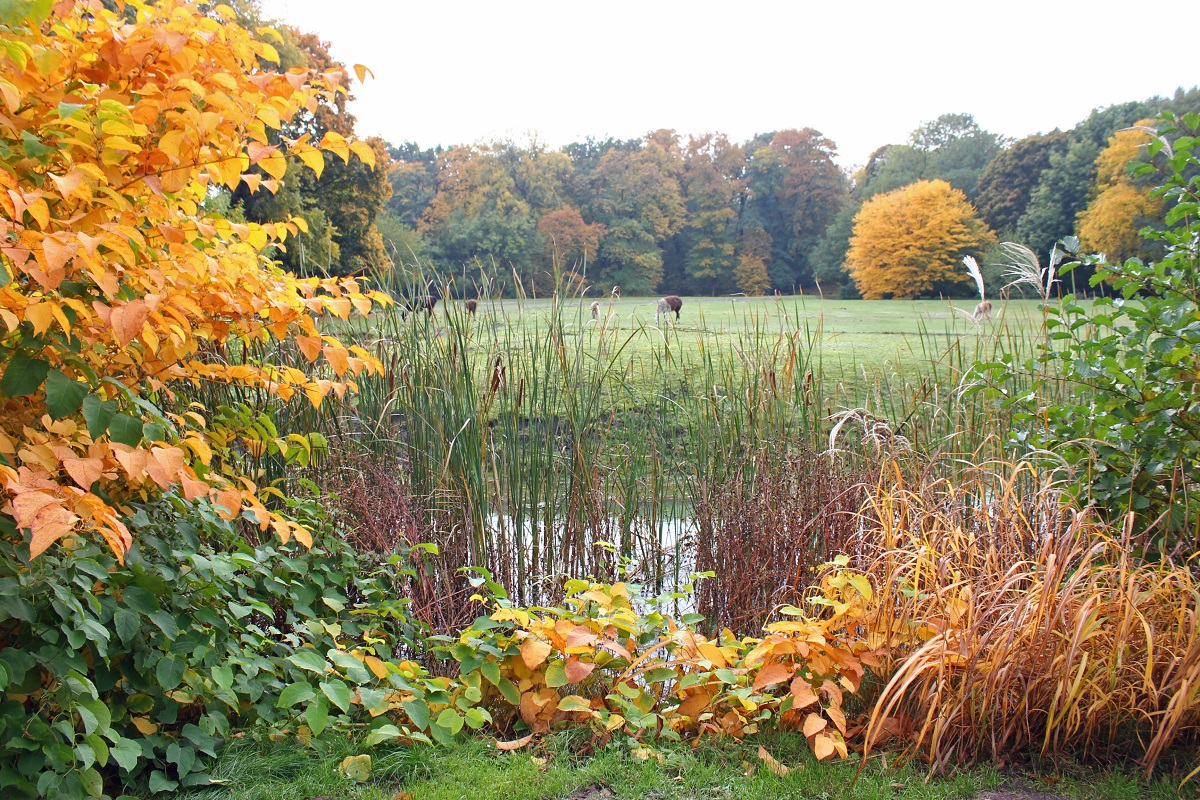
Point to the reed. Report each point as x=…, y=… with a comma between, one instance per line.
x=1015, y=622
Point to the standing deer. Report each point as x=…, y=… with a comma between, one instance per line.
x=666, y=305
x=982, y=311
x=595, y=309
x=472, y=305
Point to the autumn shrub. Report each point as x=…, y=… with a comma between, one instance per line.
x=1008, y=621
x=117, y=673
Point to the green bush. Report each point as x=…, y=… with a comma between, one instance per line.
x=1128, y=432
x=112, y=674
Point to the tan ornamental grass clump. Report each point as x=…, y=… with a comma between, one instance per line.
x=1013, y=622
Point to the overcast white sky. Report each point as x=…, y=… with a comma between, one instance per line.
x=863, y=73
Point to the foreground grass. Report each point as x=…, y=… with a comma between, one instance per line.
x=554, y=769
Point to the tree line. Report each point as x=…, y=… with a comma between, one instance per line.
x=704, y=215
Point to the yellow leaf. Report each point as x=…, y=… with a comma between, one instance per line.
x=376, y=666
x=336, y=143
x=362, y=72
x=311, y=158
x=144, y=726
x=364, y=152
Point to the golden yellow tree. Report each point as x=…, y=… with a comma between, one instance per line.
x=910, y=242
x=119, y=293
x=1119, y=208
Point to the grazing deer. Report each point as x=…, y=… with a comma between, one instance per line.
x=596, y=309
x=472, y=305
x=982, y=311
x=667, y=305
x=422, y=302
x=616, y=293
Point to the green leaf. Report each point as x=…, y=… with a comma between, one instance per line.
x=373, y=700
x=33, y=12
x=383, y=733
x=317, y=715
x=222, y=676
x=139, y=599
x=159, y=782
x=125, y=752
x=418, y=712
x=491, y=671
x=450, y=720
x=23, y=376
x=510, y=691
x=556, y=675
x=95, y=715
x=63, y=395
x=309, y=659
x=169, y=672
x=127, y=623
x=355, y=768
x=125, y=429
x=293, y=693
x=338, y=693
x=97, y=414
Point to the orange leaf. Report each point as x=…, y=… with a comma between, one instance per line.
x=49, y=525
x=231, y=499
x=772, y=764
x=337, y=358
x=802, y=693
x=84, y=471
x=813, y=724
x=127, y=321
x=577, y=670
x=310, y=346
x=822, y=746
x=773, y=673
x=534, y=652
x=516, y=744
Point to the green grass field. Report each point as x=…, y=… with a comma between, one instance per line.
x=858, y=344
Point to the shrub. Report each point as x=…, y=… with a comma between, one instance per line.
x=1127, y=368
x=114, y=672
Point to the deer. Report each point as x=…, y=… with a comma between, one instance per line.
x=472, y=305
x=595, y=309
x=666, y=305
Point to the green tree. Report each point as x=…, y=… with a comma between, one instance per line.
x=635, y=194
x=1009, y=180
x=794, y=190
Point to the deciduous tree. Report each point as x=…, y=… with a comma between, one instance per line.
x=120, y=292
x=910, y=242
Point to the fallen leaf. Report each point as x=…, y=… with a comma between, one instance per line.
x=772, y=764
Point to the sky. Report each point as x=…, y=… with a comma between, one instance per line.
x=863, y=73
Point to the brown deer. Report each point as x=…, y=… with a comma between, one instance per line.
x=595, y=309
x=472, y=305
x=666, y=305
x=982, y=311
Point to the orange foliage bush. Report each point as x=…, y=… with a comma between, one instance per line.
x=118, y=289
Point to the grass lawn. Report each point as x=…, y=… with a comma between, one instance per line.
x=553, y=768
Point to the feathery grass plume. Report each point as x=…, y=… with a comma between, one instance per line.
x=973, y=269
x=1022, y=268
